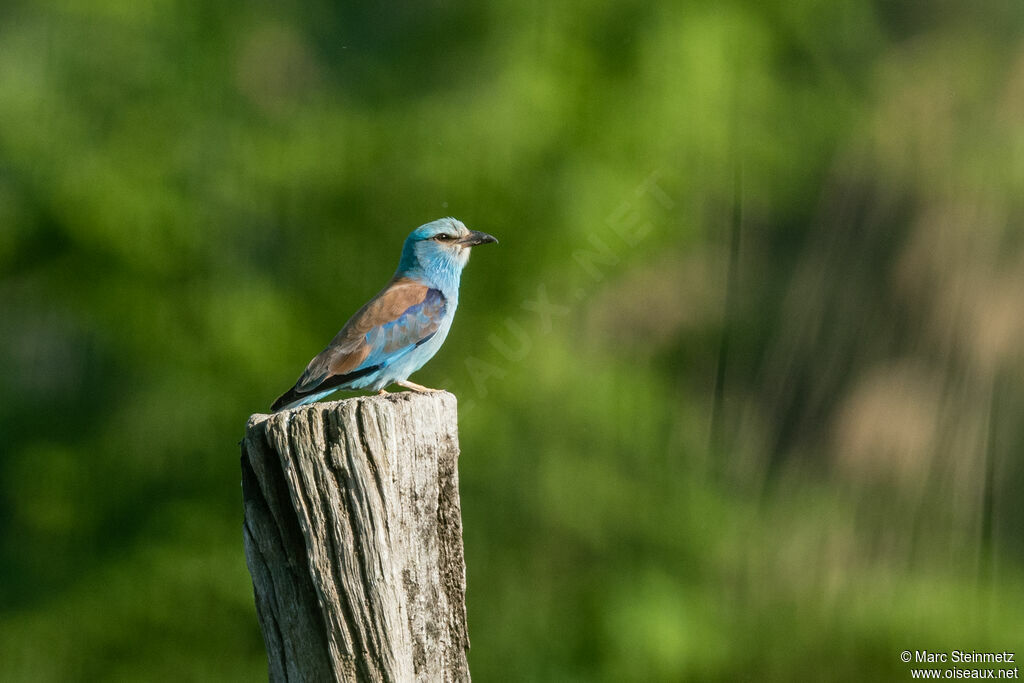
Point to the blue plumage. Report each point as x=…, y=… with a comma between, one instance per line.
x=403, y=326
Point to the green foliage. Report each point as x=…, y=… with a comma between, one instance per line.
x=192, y=199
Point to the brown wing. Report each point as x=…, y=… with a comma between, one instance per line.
x=350, y=348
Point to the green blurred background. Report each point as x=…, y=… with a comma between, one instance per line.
x=739, y=389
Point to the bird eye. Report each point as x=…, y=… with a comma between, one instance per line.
x=444, y=237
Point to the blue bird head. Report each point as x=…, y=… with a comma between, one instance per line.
x=440, y=250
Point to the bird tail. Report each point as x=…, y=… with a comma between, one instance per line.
x=294, y=398
x=288, y=399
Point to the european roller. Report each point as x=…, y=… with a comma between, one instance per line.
x=402, y=327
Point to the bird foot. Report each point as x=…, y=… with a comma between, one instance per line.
x=382, y=392
x=416, y=387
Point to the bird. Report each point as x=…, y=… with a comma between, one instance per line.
x=402, y=327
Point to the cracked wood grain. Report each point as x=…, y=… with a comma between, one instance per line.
x=353, y=537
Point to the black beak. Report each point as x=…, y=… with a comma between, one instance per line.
x=474, y=238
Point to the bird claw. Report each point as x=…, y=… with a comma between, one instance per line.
x=419, y=388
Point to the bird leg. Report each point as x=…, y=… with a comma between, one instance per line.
x=415, y=387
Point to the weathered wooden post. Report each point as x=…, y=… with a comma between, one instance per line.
x=353, y=537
